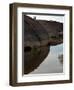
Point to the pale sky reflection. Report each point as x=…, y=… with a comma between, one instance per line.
x=51, y=64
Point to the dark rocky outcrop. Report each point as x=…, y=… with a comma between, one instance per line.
x=42, y=32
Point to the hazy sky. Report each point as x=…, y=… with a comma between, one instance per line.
x=49, y=17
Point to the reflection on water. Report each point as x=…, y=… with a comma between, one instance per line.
x=34, y=57
x=51, y=63
x=60, y=57
x=44, y=60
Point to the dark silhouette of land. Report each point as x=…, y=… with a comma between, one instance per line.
x=42, y=32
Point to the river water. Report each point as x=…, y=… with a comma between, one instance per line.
x=51, y=64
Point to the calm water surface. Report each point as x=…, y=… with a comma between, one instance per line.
x=51, y=64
